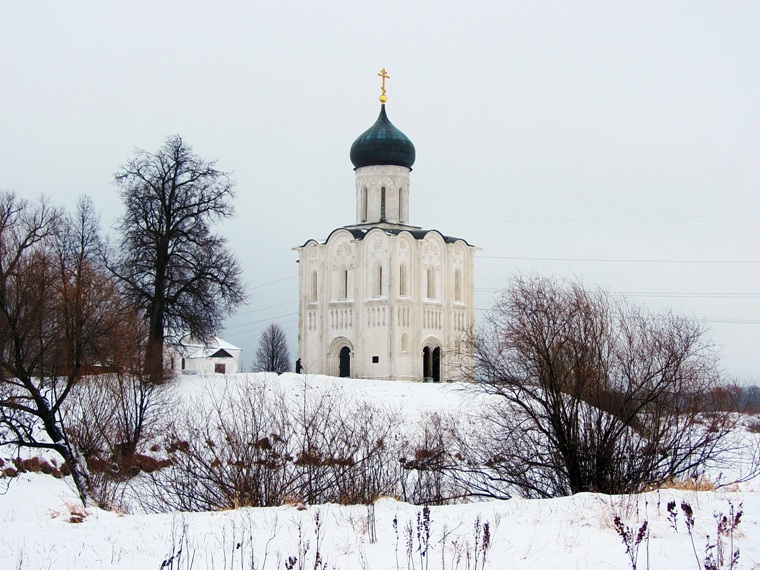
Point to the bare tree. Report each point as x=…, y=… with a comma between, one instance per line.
x=256, y=444
x=58, y=313
x=169, y=262
x=272, y=354
x=594, y=394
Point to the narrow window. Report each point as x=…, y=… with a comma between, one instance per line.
x=402, y=280
x=313, y=297
x=382, y=204
x=343, y=284
x=364, y=204
x=430, y=283
x=378, y=281
x=457, y=285
x=404, y=343
x=400, y=204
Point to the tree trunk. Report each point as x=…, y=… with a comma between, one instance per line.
x=154, y=358
x=78, y=471
x=55, y=432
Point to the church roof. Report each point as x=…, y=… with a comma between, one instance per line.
x=418, y=234
x=216, y=348
x=382, y=144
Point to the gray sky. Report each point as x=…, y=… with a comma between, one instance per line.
x=616, y=142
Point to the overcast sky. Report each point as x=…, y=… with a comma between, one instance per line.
x=615, y=142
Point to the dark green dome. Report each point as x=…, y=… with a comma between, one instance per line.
x=382, y=143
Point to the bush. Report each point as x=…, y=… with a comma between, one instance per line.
x=593, y=394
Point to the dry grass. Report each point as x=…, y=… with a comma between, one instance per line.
x=33, y=465
x=702, y=483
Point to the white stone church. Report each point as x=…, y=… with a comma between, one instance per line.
x=382, y=298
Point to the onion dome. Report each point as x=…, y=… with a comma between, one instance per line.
x=382, y=144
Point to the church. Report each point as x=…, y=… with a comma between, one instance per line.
x=382, y=298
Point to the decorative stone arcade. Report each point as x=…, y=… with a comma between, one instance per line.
x=382, y=298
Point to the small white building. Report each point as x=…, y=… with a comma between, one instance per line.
x=382, y=298
x=190, y=356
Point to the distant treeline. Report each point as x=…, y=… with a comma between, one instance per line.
x=744, y=399
x=749, y=399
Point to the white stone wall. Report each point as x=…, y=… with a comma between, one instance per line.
x=360, y=302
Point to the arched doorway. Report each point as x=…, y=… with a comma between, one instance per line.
x=344, y=362
x=431, y=363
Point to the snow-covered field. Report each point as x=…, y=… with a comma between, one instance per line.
x=42, y=523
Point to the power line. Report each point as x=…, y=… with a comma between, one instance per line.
x=265, y=320
x=602, y=260
x=255, y=332
x=732, y=321
x=666, y=294
x=692, y=295
x=587, y=220
x=274, y=282
x=264, y=308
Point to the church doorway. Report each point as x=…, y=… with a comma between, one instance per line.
x=431, y=363
x=344, y=362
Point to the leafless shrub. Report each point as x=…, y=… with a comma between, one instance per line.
x=345, y=449
x=112, y=417
x=430, y=473
x=256, y=446
x=226, y=452
x=592, y=394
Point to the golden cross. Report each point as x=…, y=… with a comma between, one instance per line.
x=384, y=75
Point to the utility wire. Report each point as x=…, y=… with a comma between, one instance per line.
x=264, y=308
x=274, y=282
x=587, y=220
x=602, y=260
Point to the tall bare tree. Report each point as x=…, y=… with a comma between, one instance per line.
x=59, y=309
x=169, y=262
x=595, y=393
x=272, y=354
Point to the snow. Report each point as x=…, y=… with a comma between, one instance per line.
x=42, y=523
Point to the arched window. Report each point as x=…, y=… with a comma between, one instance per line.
x=457, y=285
x=313, y=288
x=378, y=281
x=382, y=204
x=430, y=283
x=364, y=204
x=404, y=343
x=402, y=280
x=401, y=216
x=343, y=284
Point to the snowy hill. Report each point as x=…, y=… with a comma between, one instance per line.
x=44, y=525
